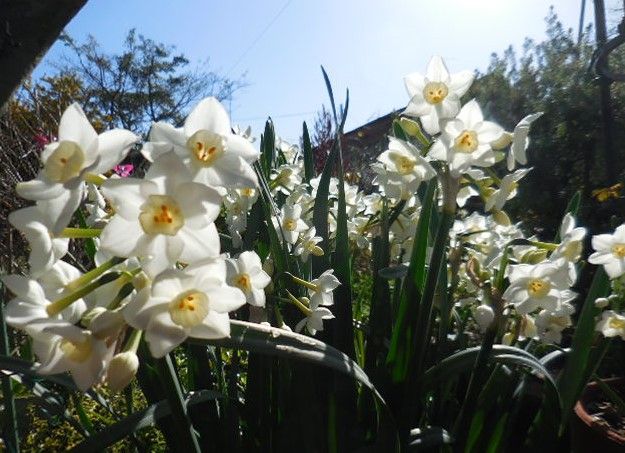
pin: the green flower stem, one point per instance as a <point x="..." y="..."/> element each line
<point x="412" y="405"/>
<point x="493" y="175"/>
<point x="80" y="233"/>
<point x="94" y="179"/>
<point x="126" y="287"/>
<point x="183" y="427"/>
<point x="93" y="273"/>
<point x="61" y="304"/>
<point x="544" y="245"/>
<point x="132" y="345"/>
<point x="479" y="373"/>
<point x="295" y="301"/>
<point x="304" y="283"/>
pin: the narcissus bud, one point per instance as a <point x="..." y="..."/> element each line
<point x="484" y="316"/>
<point x="122" y="370"/>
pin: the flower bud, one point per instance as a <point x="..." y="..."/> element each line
<point x="140" y="281"/>
<point x="106" y="324"/>
<point x="502" y="142"/>
<point x="601" y="302"/>
<point x="122" y="370"/>
<point x="534" y="256"/>
<point x="484" y="316"/>
<point x="90" y="315"/>
<point x="410" y="127"/>
<point x="501" y="218"/>
<point x="507" y="339"/>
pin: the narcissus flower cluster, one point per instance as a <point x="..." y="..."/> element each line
<point x="160" y="275"/>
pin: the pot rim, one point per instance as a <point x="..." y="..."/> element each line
<point x="580" y="410"/>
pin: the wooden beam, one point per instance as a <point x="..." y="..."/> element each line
<point x="27" y="30"/>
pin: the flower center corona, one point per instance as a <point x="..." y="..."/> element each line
<point x="617" y="323"/>
<point x="76" y="352"/>
<point x="243" y="282"/>
<point x="189" y="309"/>
<point x="405" y="165"/>
<point x="618" y="250"/>
<point x="466" y="142"/>
<point x="289" y="224"/>
<point x="538" y="288"/>
<point x="65" y="162"/>
<point x="161" y="215"/>
<point x="435" y="92"/>
<point x="206" y="147"/>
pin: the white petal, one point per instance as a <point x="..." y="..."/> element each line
<point x="460" y="82"/>
<point x="414" y="83"/>
<point x="113" y="146"/>
<point x="74" y="126"/>
<point x="199" y="244"/>
<point x="39" y="189"/>
<point x="215" y="325"/>
<point x="121" y="237"/>
<point x="125" y="196"/>
<point x="225" y="299"/>
<point x="167" y="172"/>
<point x="162" y="335"/>
<point x="436" y="70"/>
<point x="200" y="204"/>
<point x="209" y="115"/>
<point x="241" y="147"/>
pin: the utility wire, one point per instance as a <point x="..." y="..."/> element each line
<point x="260" y="35"/>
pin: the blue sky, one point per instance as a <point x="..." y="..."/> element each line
<point x="279" y="45"/>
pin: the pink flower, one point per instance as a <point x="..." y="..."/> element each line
<point x="41" y="140"/>
<point x="124" y="170"/>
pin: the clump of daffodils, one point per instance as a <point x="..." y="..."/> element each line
<point x="160" y="275"/>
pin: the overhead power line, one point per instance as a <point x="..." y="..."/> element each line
<point x="260" y="35"/>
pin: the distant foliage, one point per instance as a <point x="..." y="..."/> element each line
<point x="555" y="77"/>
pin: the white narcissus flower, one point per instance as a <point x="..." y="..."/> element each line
<point x="62" y="348"/>
<point x="193" y="302"/>
<point x="466" y="140"/>
<point x="406" y="161"/>
<point x="285" y="178"/>
<point x="520" y="141"/>
<point x="307" y="245"/>
<point x="79" y="151"/>
<point x="550" y="325"/>
<point x="435" y="95"/>
<point x="246" y="273"/>
<point x="37" y="225"/>
<point x="612" y="324"/>
<point x="28" y="307"/>
<point x="610" y="252"/>
<point x="543" y="285"/>
<point x="506" y="191"/>
<point x="207" y="146"/>
<point x="314" y="321"/>
<point x="571" y="240"/>
<point x="162" y="218"/>
<point x="321" y="289"/>
<point x="291" y="222"/>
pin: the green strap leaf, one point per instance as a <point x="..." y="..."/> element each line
<point x="309" y="165"/>
<point x="581" y="363"/>
<point x="137" y="421"/>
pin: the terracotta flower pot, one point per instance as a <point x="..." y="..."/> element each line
<point x="588" y="432"/>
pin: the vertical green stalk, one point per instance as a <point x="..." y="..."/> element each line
<point x="11" y="434"/>
<point x="412" y="406"/>
<point x="180" y="416"/>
